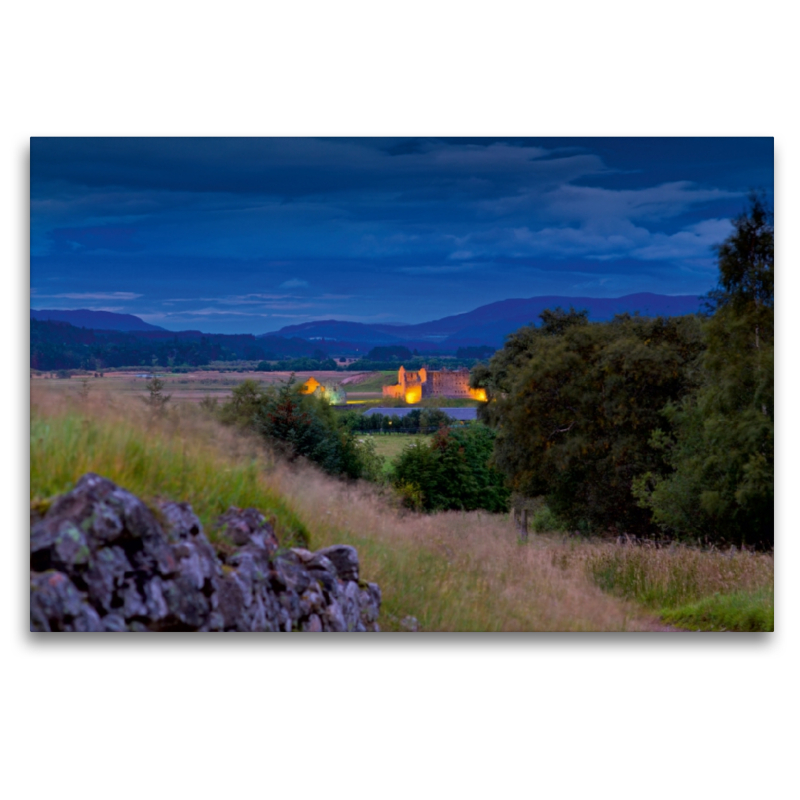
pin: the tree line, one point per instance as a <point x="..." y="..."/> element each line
<point x="644" y="425"/>
<point x="420" y="420"/>
<point x="59" y="345"/>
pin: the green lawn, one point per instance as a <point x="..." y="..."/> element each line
<point x="390" y="445"/>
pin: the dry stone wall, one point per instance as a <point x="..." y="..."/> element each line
<point x="101" y="560"/>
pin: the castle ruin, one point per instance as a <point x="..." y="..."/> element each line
<point x="330" y="392"/>
<point x="412" y="386"/>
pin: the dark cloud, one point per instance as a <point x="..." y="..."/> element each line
<point x="393" y="227"/>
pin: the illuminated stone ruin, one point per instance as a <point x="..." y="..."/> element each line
<point x="331" y="392"/>
<point x="413" y="386"/>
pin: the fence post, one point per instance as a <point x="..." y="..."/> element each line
<point x="521" y="520"/>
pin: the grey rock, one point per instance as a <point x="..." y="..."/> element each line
<point x="106" y="576"/>
<point x="188" y="608"/>
<point x="375" y="593"/>
<point x="290" y="603"/>
<point x="87" y="621"/>
<point x="344" y="558"/>
<point x="154" y="600"/>
<point x="133" y="604"/>
<point x="60" y="546"/>
<point x="288" y="574"/>
<point x="333" y="618"/>
<point x="216" y="622"/>
<point x="114" y="623"/>
<point x="54" y="599"/>
<point x="58" y="605"/>
<point x="180" y="522"/>
<point x="312" y="625"/>
<point x="248" y="526"/>
<point x="230" y="602"/>
<point x="101" y="561"/>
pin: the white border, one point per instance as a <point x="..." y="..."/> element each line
<point x="483" y="715"/>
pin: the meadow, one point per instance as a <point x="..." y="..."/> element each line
<point x="452" y="571"/>
<point x="191" y="387"/>
<point x="364" y="389"/>
<point x="390" y="445"/>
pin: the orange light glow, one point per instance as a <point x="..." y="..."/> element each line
<point x="478" y="394"/>
<point x="310" y="386"/>
<point x="413" y="394"/>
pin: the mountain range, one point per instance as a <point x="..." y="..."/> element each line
<point x="489" y="324"/>
<point x="486" y="325"/>
<point x="96" y="320"/>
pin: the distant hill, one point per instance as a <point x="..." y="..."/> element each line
<point x="60" y="345"/>
<point x="490" y="324"/>
<point x="96" y="320"/>
<point x="335" y="330"/>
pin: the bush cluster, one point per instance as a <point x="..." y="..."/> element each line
<point x="452" y="472"/>
<point x="297" y="425"/>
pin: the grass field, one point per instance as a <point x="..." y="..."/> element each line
<point x="189" y="387"/>
<point x="391" y="445"/>
<point x="192" y="387"/>
<point x="373" y="382"/>
<point x="453" y="571"/>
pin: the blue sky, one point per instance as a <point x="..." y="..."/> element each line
<point x="249" y="235"/>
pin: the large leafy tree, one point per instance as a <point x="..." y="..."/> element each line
<point x="747" y="261"/>
<point x="720" y="441"/>
<point x="575" y="404"/>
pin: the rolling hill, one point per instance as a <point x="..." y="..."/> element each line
<point x="96" y="320"/>
<point x="489" y="324"/>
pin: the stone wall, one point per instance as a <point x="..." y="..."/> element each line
<point x="413" y="386"/>
<point x="449" y="383"/>
<point x="101" y="560"/>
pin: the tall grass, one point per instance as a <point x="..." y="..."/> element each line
<point x="453" y="571"/>
<point x="706" y="590"/>
<point x="677" y="575"/>
<point x="738" y="611"/>
<point x="180" y="457"/>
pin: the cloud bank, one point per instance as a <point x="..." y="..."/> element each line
<point x="408" y="228"/>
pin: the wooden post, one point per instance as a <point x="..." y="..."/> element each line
<point x="521" y="521"/>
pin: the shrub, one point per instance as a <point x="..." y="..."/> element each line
<point x="452" y="472"/>
<point x="298" y="425"/>
<point x="544" y="520"/>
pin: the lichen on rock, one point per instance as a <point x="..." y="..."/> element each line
<point x="101" y="560"/>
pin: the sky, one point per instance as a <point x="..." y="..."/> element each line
<point x="248" y="235"/>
